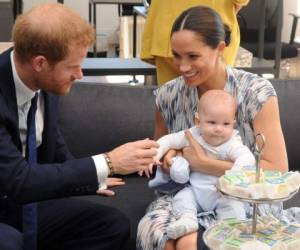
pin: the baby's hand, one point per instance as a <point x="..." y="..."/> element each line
<point x="157" y="162"/>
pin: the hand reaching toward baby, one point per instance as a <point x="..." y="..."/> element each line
<point x="110" y="182"/>
<point x="148" y="172"/>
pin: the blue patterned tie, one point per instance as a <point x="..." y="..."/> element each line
<point x="30" y="210"/>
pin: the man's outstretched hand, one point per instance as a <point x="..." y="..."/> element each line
<point x="133" y="156"/>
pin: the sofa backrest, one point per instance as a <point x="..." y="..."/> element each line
<point x="97" y="117"/>
<point x="288" y="92"/>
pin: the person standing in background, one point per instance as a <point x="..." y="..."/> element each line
<point x="156" y="47"/>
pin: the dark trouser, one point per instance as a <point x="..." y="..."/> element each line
<point x="201" y="245"/>
<point x="74" y="224"/>
<point x="10" y="238"/>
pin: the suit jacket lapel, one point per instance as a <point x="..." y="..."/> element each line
<point x="8" y="92"/>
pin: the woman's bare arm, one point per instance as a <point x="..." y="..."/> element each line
<point x="160" y="128"/>
<point x="267" y="122"/>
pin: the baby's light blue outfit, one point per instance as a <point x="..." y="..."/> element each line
<point x="200" y="195"/>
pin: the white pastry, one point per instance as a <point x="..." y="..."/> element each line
<point x="290" y="243"/>
<point x="292" y="179"/>
<point x="272" y="184"/>
<point x="219" y="234"/>
<point x="239" y="244"/>
<point x="262" y="190"/>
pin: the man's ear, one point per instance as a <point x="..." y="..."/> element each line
<point x="38" y="63"/>
<point x="197" y="119"/>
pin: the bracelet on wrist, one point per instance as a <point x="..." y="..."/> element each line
<point x="109" y="164"/>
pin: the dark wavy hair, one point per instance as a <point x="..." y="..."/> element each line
<point x="206" y="23"/>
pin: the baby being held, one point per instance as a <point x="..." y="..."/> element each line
<point x="214" y="131"/>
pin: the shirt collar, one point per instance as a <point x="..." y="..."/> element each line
<point x="23" y="93"/>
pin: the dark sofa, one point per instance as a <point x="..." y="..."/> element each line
<point x="97" y="117"/>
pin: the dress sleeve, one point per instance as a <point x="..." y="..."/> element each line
<point x="166" y="100"/>
<point x="260" y="90"/>
<point x="160" y="96"/>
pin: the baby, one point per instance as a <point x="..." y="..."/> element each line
<point x="215" y="132"/>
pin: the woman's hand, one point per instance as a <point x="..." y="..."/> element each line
<point x="194" y="154"/>
<point x="167" y="161"/>
<point x="110" y="182"/>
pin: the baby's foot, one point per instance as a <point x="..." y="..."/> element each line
<point x="186" y="224"/>
<point x="180" y="170"/>
<point x="159" y="179"/>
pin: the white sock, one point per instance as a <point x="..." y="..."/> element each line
<point x="159" y="179"/>
<point x="187" y="223"/>
<point x="180" y="170"/>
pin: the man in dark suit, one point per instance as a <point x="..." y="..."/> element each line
<point x="50" y="43"/>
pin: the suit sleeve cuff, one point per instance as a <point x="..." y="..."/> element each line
<point x="101" y="169"/>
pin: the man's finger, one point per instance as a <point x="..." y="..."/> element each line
<point x="106" y="192"/>
<point x="114" y="179"/>
<point x="150" y="168"/>
<point x="145" y="161"/>
<point x="143" y="167"/>
<point x="115" y="183"/>
<point x="147" y="173"/>
<point x="147" y="143"/>
<point x="149" y="153"/>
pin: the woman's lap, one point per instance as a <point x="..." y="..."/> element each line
<point x="152" y="227"/>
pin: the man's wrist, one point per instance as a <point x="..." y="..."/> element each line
<point x="109" y="164"/>
<point x="102" y="170"/>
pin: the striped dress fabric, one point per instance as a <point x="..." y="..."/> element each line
<point x="177" y="104"/>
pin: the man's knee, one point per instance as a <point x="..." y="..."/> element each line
<point x="116" y="230"/>
<point x="120" y="223"/>
<point x="10" y="238"/>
